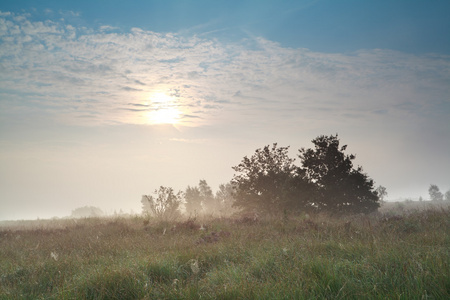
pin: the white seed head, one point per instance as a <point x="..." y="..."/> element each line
<point x="54" y="255"/>
<point x="194" y="266"/>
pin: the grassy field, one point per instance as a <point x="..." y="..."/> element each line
<point x="389" y="256"/>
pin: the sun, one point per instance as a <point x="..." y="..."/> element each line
<point x="163" y="109"/>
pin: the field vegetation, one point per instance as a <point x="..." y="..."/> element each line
<point x="390" y="255"/>
<point x="280" y="231"/>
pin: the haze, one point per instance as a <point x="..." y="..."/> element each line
<point x="102" y="103"/>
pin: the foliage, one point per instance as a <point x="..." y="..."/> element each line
<point x="193" y="200"/>
<point x="447" y="195"/>
<point x="264" y="181"/>
<point x="269" y="181"/>
<point x="340" y="187"/>
<point x="225" y="197"/>
<point x="435" y="193"/>
<point x="164" y="205"/>
<point x="200" y="199"/>
<point x="207" y="196"/>
<point x="381" y="192"/>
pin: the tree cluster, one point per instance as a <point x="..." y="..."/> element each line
<point x="270" y="182"/>
<point x="197" y="200"/>
<point x="201" y="200"/>
<point x="436" y="195"/>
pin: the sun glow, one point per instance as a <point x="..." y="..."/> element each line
<point x="163" y="109"/>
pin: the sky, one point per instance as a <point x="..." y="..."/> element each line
<point x="102" y="102"/>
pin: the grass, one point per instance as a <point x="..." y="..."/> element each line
<point x="303" y="257"/>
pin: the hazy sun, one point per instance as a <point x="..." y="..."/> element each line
<point x="163" y="109"/>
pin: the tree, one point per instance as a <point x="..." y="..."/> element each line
<point x="86" y="212"/>
<point x="435" y="193"/>
<point x="264" y="182"/>
<point x="164" y="205"/>
<point x="447" y="195"/>
<point x="193" y="200"/>
<point x="225" y="198"/>
<point x="207" y="196"/>
<point x="339" y="186"/>
<point x="200" y="199"/>
<point x="382" y="193"/>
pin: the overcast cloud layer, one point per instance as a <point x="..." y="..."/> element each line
<point x="391" y="108"/>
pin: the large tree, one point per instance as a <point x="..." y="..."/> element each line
<point x="339" y="186"/>
<point x="265" y="181"/>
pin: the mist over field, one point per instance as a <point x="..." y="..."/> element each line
<point x="99" y="107"/>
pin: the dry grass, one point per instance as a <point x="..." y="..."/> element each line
<point x="302" y="257"/>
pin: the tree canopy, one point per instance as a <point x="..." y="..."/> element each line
<point x="264" y="179"/>
<point x="339" y="186"/>
<point x="435" y="193"/>
<point x="200" y="199"/>
<point x="225" y="198"/>
<point x="269" y="181"/>
<point x="207" y="196"/>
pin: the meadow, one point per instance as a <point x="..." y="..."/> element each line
<point x="391" y="255"/>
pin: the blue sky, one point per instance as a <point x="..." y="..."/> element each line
<point x="103" y="101"/>
<point x="413" y="26"/>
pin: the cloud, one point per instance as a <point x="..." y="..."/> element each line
<point x="107" y="28"/>
<point x="130" y="89"/>
<point x="211" y="81"/>
<point x="138" y="104"/>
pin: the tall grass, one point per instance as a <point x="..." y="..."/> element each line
<point x="302" y="257"/>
